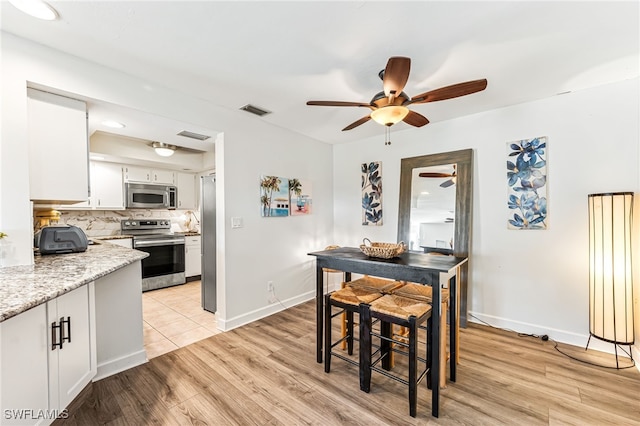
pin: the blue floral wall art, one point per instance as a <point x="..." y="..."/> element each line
<point x="527" y="182"/>
<point x="371" y="184"/>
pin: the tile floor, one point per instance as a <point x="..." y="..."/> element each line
<point x="173" y="318"/>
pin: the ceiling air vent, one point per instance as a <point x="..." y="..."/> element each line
<point x="188" y="134"/>
<point x="255" y="110"/>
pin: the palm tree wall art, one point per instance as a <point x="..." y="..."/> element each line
<point x="274" y="196"/>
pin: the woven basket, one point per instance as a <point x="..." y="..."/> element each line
<point x="382" y="250"/>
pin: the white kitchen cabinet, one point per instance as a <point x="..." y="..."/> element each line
<point x="147" y="175"/>
<point x="24" y="380"/>
<point x="58" y="148"/>
<point x="72" y="363"/>
<point x="186" y="183"/>
<point x="192" y="258"/>
<point x="39" y="380"/>
<point x="107" y="188"/>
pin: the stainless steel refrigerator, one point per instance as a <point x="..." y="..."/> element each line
<point x="208" y="232"/>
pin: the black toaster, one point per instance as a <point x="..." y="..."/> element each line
<point x="57" y="239"/>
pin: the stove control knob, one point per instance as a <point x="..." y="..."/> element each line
<point x="133" y="223"/>
<point x="127" y="223"/>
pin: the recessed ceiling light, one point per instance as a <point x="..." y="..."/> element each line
<point x="113" y="124"/>
<point x="36" y="8"/>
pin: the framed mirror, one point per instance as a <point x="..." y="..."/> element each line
<point x="424" y="223"/>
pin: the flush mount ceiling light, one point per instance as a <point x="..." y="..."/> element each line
<point x="36" y="8"/>
<point x="113" y="124"/>
<point x="164" y="149"/>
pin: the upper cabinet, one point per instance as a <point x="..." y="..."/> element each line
<point x="186" y="183"/>
<point x="107" y="189"/>
<point x="58" y="148"/>
<point x="147" y="175"/>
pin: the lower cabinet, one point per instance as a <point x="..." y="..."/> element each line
<point x="192" y="258"/>
<point x="48" y="357"/>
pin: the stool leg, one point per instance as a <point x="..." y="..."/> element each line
<point x="327" y="333"/>
<point x="413" y="366"/>
<point x="349" y="331"/>
<point x="429" y="356"/>
<point x="443" y="345"/>
<point x="343" y="323"/>
<point x="365" y="348"/>
<point x="386" y="329"/>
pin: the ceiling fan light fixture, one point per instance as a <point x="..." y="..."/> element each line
<point x="389" y="115"/>
<point x="164" y="149"/>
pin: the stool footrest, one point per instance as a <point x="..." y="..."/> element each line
<point x="344" y="358"/>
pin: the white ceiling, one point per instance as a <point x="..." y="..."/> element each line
<point x="278" y="55"/>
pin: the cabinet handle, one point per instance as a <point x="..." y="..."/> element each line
<point x="64" y="338"/>
<point x="54" y="337"/>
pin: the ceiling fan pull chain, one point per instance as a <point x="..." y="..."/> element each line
<point x="387" y="134"/>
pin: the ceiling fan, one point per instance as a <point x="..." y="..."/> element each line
<point x="446" y="183"/>
<point x="391" y="105"/>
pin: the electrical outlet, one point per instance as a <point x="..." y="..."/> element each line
<point x="270" y="286"/>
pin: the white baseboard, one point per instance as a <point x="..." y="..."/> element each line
<point x="277" y="306"/>
<point x="561" y="336"/>
<point x="111" y="367"/>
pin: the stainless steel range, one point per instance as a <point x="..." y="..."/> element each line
<point x="165" y="265"/>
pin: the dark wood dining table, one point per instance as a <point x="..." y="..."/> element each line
<point x="409" y="266"/>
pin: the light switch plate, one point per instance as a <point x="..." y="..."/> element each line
<point x="236" y="222"/>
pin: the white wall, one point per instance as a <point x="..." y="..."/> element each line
<point x="264" y="249"/>
<point x="529" y="281"/>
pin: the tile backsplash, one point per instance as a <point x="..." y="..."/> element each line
<point x="99" y="223"/>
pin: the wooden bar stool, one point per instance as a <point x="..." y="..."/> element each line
<point x="348" y="300"/>
<point x="405" y="312"/>
<point x="367" y="282"/>
<point x="424" y="293"/>
<point x="327" y="272"/>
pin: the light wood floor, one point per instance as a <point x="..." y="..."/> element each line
<point x="265" y="373"/>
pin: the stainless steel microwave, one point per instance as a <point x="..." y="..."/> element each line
<point x="151" y="196"/>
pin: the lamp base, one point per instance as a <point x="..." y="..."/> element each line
<point x="615" y="348"/>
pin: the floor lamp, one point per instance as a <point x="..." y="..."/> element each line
<point x="610" y="269"/>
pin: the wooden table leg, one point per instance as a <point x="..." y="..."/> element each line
<point x="319" y="313"/>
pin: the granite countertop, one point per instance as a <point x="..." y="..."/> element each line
<point x="188" y="233"/>
<point x="24" y="287"/>
<point x="113" y="237"/>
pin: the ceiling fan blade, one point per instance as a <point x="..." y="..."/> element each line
<point x="434" y="175"/>
<point x="338" y="104"/>
<point x="447" y="183"/>
<point x="450" y="92"/>
<point x="396" y="75"/>
<point x="357" y="123"/>
<point x="415" y="119"/>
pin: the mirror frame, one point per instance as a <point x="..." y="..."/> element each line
<point x="463" y="213"/>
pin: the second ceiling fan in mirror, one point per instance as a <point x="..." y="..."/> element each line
<point x="390" y="106"/>
<point x="447" y="183"/>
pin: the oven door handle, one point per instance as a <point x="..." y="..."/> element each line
<point x="155" y="243"/>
